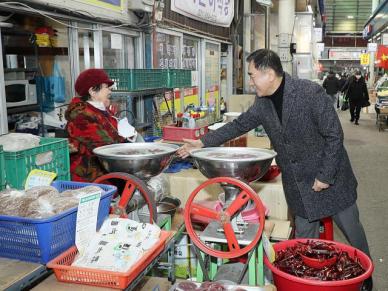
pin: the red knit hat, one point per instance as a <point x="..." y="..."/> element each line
<point x="90" y="78"/>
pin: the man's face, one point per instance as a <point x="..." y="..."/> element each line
<point x="261" y="80"/>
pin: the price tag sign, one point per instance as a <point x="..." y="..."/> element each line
<point x="86" y="219"/>
<point x="268" y="248"/>
<point x="39" y="178"/>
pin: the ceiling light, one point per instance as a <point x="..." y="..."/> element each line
<point x="350" y="16"/>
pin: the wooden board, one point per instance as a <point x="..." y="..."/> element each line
<point x="281" y="230"/>
<point x="12" y="271"/>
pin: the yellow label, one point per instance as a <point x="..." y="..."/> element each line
<point x="364" y="59"/>
<point x="39" y="178"/>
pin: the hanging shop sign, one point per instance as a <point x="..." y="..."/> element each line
<point x="364" y="59"/>
<point x="216" y="12"/>
<point x="344" y="54"/>
<point x="372" y="47"/>
<point x="366" y="33"/>
<point x="384" y="38"/>
<point x="117" y="5"/>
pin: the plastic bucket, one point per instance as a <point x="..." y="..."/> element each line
<point x="286" y="282"/>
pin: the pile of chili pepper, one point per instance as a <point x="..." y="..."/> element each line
<point x="290" y="261"/>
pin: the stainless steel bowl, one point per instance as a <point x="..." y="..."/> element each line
<point x="246" y="164"/>
<point x="168" y="205"/>
<point x="143" y="160"/>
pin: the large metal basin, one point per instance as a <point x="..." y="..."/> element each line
<point x="246" y="164"/>
<point x="143" y="160"/>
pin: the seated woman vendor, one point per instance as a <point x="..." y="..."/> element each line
<point x="90" y="124"/>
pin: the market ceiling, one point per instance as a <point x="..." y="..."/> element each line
<point x="344" y="16"/>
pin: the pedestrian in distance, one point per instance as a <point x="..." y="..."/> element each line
<point x="357" y="94"/>
<point x="331" y="85"/>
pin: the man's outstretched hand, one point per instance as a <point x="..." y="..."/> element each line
<point x="190" y="144"/>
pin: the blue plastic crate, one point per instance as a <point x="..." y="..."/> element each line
<point x="41" y="240"/>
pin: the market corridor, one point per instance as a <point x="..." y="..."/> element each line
<point x="368" y="153"/>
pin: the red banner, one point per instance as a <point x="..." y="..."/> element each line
<point x="382" y="57"/>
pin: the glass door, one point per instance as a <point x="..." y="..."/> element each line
<point x="211" y="77"/>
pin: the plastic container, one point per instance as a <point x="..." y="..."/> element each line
<point x="173" y="133"/>
<point x="185" y="119"/>
<point x="177" y="78"/>
<point x="151" y="138"/>
<point x="137" y="79"/>
<point x="41" y="240"/>
<point x="51" y="155"/>
<point x="192" y="123"/>
<point x="64" y="272"/>
<point x="2" y="169"/>
<point x="149" y="78"/>
<point x="287" y="282"/>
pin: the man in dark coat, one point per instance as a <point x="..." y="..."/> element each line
<point x="357" y="93"/>
<point x="305" y="131"/>
<point x="331" y="85"/>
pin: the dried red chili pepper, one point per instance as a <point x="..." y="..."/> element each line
<point x="345" y="267"/>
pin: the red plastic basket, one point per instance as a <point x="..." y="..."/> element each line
<point x="172" y="132"/>
<point x="64" y="272"/>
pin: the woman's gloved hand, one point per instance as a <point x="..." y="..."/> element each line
<point x="126" y="130"/>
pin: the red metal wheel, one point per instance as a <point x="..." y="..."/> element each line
<point x="132" y="184"/>
<point x="224" y="217"/>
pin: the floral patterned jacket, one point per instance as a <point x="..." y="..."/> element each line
<point x="88" y="128"/>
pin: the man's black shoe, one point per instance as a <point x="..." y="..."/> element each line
<point x="356" y="123"/>
<point x="367" y="285"/>
<point x="351" y="120"/>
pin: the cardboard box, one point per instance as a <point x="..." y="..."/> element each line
<point x="271" y="193"/>
<point x="262" y="142"/>
<point x="240" y="103"/>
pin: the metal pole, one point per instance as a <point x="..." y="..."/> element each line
<point x="267" y="28"/>
<point x="247" y="31"/>
<point x="3" y="107"/>
<point x="286" y="24"/>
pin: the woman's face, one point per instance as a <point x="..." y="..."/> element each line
<point x="102" y="95"/>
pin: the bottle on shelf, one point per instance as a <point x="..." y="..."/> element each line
<point x="185" y="119"/>
<point x="179" y="119"/>
<point x="191" y="122"/>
